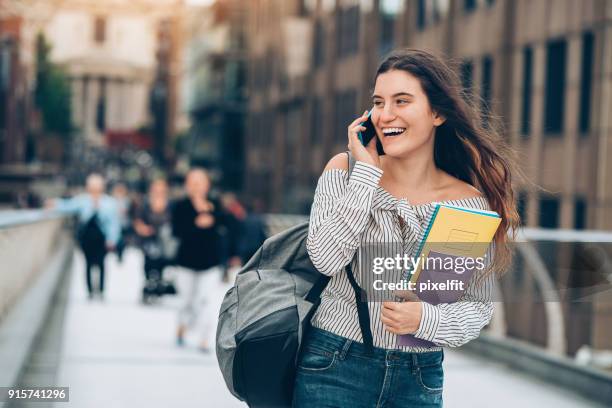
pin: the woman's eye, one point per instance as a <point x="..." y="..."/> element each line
<point x="378" y="103"/>
<point x="402" y="101"/>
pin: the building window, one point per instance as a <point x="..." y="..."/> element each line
<point x="389" y="10"/>
<point x="100" y="30"/>
<point x="549" y="212"/>
<point x="319" y="44"/>
<point x="421" y="14"/>
<point x="586" y="80"/>
<point x="466" y="71"/>
<point x="469" y="5"/>
<point x="555" y="87"/>
<point x="487" y="84"/>
<point x="580" y="213"/>
<point x="527" y="84"/>
<point x="430" y="12"/>
<point x="347" y="26"/>
<point x="387" y="33"/>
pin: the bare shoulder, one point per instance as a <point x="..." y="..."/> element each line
<point x="339" y="161"/>
<point x="458" y="189"/>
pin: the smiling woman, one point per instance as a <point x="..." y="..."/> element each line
<point x="436" y="149"/>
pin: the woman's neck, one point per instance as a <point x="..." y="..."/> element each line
<point x="419" y="172"/>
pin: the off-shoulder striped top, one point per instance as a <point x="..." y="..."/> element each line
<point x="348" y="213"/>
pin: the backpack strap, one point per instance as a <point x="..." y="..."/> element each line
<point x="363" y="313"/>
<point x="361" y="297"/>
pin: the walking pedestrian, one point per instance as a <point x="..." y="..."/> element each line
<point x="153" y="229"/>
<point x="196" y="221"/>
<point x="98" y="230"/>
<point x="435" y="150"/>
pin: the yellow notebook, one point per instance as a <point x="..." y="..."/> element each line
<point x="453" y="234"/>
<point x="458" y="231"/>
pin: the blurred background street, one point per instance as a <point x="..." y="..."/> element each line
<point x="259" y="93"/>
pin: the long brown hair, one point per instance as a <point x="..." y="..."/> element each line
<point x="468" y="145"/>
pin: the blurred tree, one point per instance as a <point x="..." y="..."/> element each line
<point x="52" y="93"/>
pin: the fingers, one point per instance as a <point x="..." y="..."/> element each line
<point x="360" y="119"/>
<point x="390" y="305"/>
<point x="390" y="313"/>
<point x="354" y="128"/>
<point x="388" y="322"/>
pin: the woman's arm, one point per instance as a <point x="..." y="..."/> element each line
<point x="454" y="324"/>
<point x="66" y="205"/>
<point x="340" y="213"/>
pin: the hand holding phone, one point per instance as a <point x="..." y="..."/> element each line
<point x="370" y="132"/>
<point x="365" y="153"/>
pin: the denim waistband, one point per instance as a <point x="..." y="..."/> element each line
<point x="325" y="341"/>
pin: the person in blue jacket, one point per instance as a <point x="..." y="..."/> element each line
<point x="99" y="225"/>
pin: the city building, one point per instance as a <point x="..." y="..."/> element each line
<point x="542" y="66"/>
<point x="14" y="92"/>
<point x="118" y="54"/>
<point x="215" y="81"/>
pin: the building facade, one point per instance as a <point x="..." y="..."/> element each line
<point x="112" y="52"/>
<point x="216" y="90"/>
<point x="14" y="92"/>
<point x="542" y="66"/>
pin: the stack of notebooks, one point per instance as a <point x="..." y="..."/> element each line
<point x="453" y="232"/>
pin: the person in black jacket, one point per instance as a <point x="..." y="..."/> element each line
<point x="197" y="222"/>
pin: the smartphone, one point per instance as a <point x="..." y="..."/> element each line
<point x="369" y="133"/>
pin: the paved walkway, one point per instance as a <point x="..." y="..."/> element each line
<point x="119" y="353"/>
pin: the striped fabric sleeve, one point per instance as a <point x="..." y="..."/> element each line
<point x="339" y="216"/>
<point x="454" y="324"/>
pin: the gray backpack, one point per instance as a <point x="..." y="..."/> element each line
<point x="265" y="314"/>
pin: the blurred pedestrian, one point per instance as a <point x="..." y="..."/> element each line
<point x="153" y="229"/>
<point x="121" y="194"/>
<point x="235" y="215"/>
<point x="196" y="222"/>
<point x="99" y="227"/>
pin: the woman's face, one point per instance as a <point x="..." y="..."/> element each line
<point x="401" y="114"/>
<point x="158" y="190"/>
<point x="197" y="183"/>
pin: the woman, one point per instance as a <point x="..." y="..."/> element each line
<point x="196" y="222"/>
<point x="152" y="225"/>
<point x="436" y="151"/>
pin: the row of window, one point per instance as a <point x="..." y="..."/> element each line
<point x="550" y="210"/>
<point x="430" y="12"/>
<point x="554" y="91"/>
<point x="348" y="22"/>
<point x="466" y="73"/>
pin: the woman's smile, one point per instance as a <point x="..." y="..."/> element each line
<point x="393" y="131"/>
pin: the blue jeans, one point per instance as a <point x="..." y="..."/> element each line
<point x="337" y="372"/>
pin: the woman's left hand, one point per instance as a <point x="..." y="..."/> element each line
<point x="402" y="318"/>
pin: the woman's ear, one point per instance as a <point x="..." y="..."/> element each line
<point x="438" y="119"/>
